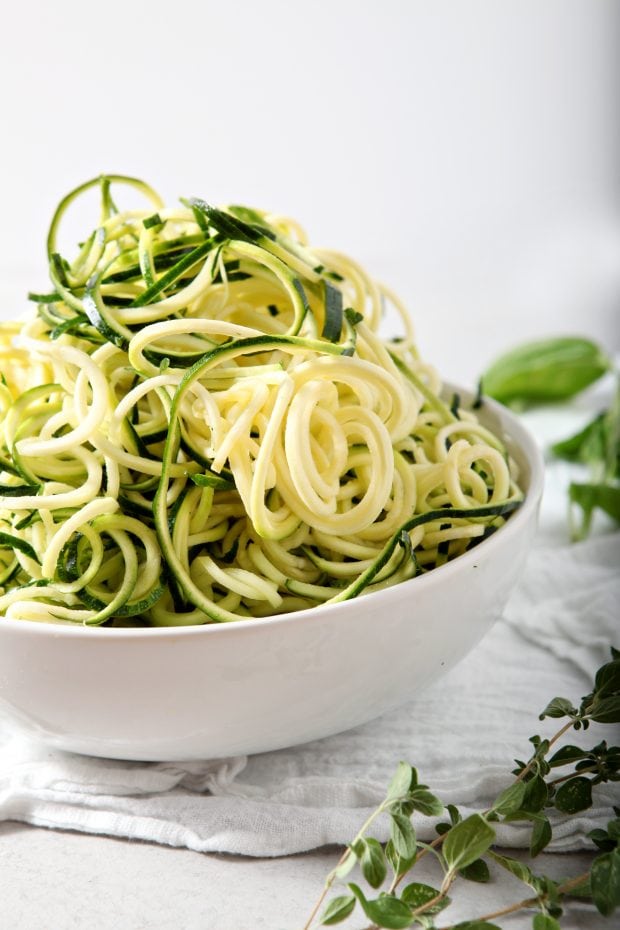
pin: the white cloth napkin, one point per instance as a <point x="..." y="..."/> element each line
<point x="462" y="734"/>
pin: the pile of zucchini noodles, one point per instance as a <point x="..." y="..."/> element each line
<point x="201" y="423"/>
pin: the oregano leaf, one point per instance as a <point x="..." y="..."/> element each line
<point x="399" y="864"/>
<point x="404" y="779"/>
<point x="541" y="836"/>
<point x="417" y="894"/>
<point x="347" y="864"/>
<point x="558" y="707"/>
<point x="511" y="799"/>
<point x="602" y="840"/>
<point x="476" y="925"/>
<point x="476" y="871"/>
<point x="517" y="868"/>
<point x="574" y="795"/>
<point x="607" y="680"/>
<point x="567" y="755"/>
<point x="403" y="836"/>
<point x="545" y="922"/>
<point x="372" y="862"/>
<point x="425" y="802"/>
<point x="386" y="911"/>
<point x="454" y="814"/>
<point x="338" y="909"/>
<point x="606" y="710"/>
<point x="467" y="841"/>
<point x="536" y="794"/>
<point x="605" y="882"/>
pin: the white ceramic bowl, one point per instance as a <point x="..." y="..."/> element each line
<point x="253" y="686"/>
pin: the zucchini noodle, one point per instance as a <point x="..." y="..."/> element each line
<point x="201" y="423"/>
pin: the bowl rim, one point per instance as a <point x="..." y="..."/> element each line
<point x="520" y="442"/>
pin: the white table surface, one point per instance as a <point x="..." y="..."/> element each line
<point x="57" y="880"/>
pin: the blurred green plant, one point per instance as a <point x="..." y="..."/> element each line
<point x="555" y="370"/>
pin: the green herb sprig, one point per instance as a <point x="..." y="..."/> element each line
<point x="559" y="781"/>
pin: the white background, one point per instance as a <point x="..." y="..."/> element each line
<point x="467" y="151"/>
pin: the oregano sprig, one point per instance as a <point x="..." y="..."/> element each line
<point x="552" y="779"/>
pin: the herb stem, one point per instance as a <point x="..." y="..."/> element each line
<point x="329" y="881"/>
<point x="528" y="768"/>
<point x="564" y="888"/>
<point x="558" y="781"/>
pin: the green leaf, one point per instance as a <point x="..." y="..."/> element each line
<point x="404" y="779"/>
<point x="545" y="370"/>
<point x="545" y="922"/>
<point x="536" y="794"/>
<point x="607" y="680"/>
<point x="602" y="840"/>
<point x="558" y="707"/>
<point x="613" y="829"/>
<point x="605" y="882"/>
<point x="606" y="710"/>
<point x="574" y="795"/>
<point x="403" y="836"/>
<point x="454" y="814"/>
<point x="476" y="925"/>
<point x="589" y="497"/>
<point x="477" y="871"/>
<point x="386" y="911"/>
<point x="514" y="866"/>
<point x="338" y="909"/>
<point x="347" y="864"/>
<point x="425" y="802"/>
<point x="372" y="862"/>
<point x="567" y="755"/>
<point x="511" y="799"/>
<point x="467" y="841"/>
<point x="541" y="836"/>
<point x="588" y="445"/>
<point x="417" y="894"/>
<point x="400" y="864"/>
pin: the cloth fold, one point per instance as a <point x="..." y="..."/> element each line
<point x="462" y="734"/>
